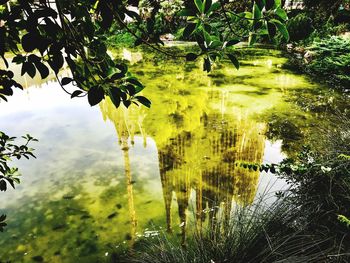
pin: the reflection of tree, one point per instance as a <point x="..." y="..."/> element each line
<point x="125" y="127"/>
<point x="200" y="153"/>
<point x="205" y="161"/>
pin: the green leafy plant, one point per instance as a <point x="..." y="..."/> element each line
<point x="43" y="36"/>
<point x="332" y="60"/>
<point x="8" y="151"/>
<point x="204" y="24"/>
<point x="300" y="27"/>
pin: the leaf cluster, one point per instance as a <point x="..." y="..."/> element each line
<point x="46" y="37"/>
<point x="8" y="151"/>
<point x="211" y="25"/>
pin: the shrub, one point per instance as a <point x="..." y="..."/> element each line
<point x="121" y="38"/>
<point x="300" y="27"/>
<point x="332" y="60"/>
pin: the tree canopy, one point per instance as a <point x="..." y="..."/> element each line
<point x="44" y="35"/>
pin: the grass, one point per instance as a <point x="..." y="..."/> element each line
<point x="256" y="233"/>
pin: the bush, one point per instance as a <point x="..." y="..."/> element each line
<point x="121" y="38"/>
<point x="300" y="27"/>
<point x="331" y="60"/>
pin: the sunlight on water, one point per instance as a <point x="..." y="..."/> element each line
<point x="106" y="175"/>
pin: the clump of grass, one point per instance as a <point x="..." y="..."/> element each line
<point x="256" y="233"/>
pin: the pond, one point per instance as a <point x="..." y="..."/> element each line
<point x="103" y="177"/>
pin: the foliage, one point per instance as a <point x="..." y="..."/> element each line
<point x="214" y="36"/>
<point x="8" y="150"/>
<point x="321" y="186"/>
<point x="10" y="175"/>
<point x="51" y="34"/>
<point x="332" y="60"/>
<point x="300" y="27"/>
<point x="165" y="20"/>
<point x="70" y="32"/>
<point x="323" y="9"/>
<point x="119" y="38"/>
<point x="240" y="6"/>
<point x="326" y="30"/>
<point x="258" y="233"/>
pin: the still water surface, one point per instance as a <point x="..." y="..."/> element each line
<point x="104" y="176"/>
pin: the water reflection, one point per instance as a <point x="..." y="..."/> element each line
<point x="202" y="156"/>
<point x="96" y="184"/>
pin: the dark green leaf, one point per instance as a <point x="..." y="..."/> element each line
<point x="191" y="57"/>
<point x="115" y="95"/>
<point x="126" y="103"/>
<point x="234" y="60"/>
<point x="66" y="81"/>
<point x="186" y="12"/>
<point x="28" y="68"/>
<point x="117" y="75"/>
<point x="260" y="3"/>
<point x="18" y="59"/>
<point x="45" y="12"/>
<point x="6" y="90"/>
<point x="76" y="93"/>
<point x="56" y="61"/>
<point x="214" y="7"/>
<point x="33" y="58"/>
<point x="130" y="89"/>
<point x="232" y="42"/>
<point x="43" y="70"/>
<point x="207" y="65"/>
<point x="281" y="28"/>
<point x="11" y="181"/>
<point x="135" y="82"/>
<point x="256" y="12"/>
<point x="200" y="6"/>
<point x="189" y="30"/>
<point x="252" y="39"/>
<point x="143" y="100"/>
<point x="207" y="5"/>
<point x="28" y="42"/>
<point x="132" y="14"/>
<point x="95" y="95"/>
<point x="3" y="185"/>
